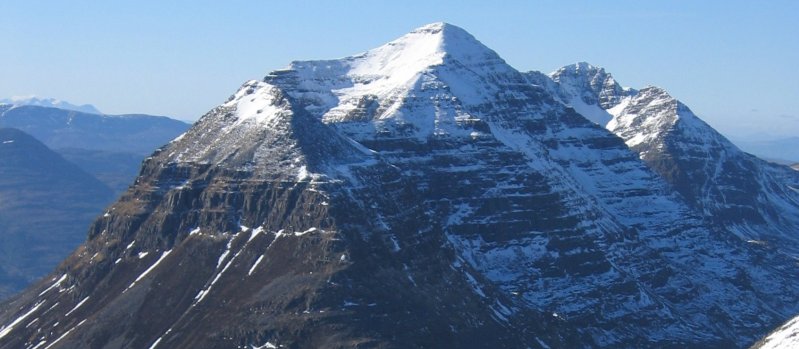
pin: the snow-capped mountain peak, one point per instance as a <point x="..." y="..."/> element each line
<point x="380" y="85"/>
<point x="654" y="111"/>
<point x="586" y="88"/>
<point x="648" y="115"/>
<point x="591" y="84"/>
<point x="50" y="103"/>
<point x="322" y="207"/>
<point x="413" y="53"/>
<point x="754" y="199"/>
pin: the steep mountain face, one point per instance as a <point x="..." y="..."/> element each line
<point x="754" y="199"/>
<point x="421" y="194"/>
<point x="46" y="203"/>
<point x="110" y="147"/>
<point x="49" y="103"/>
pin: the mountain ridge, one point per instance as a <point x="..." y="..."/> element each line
<point x="458" y="205"/>
<point x="752" y="197"/>
<point x="109" y="147"/>
<point x="49" y="103"/>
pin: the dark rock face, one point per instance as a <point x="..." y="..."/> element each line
<point x="422" y="194"/>
<point x="45" y="205"/>
<point x="109" y="147"/>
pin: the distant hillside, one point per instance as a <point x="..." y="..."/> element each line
<point x="60" y="128"/>
<point x="109" y="147"/>
<point x="46" y="205"/>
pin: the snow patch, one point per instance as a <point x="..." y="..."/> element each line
<point x="257" y="261"/>
<point x="64" y="335"/>
<point x="166" y="253"/>
<point x="5" y="330"/>
<point x="54" y="285"/>
<point x="77" y="306"/>
<point x="787" y="336"/>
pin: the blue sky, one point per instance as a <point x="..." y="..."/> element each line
<point x="735" y="63"/>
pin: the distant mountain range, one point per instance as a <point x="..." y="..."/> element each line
<point x="110" y="147"/>
<point x="49" y="103"/>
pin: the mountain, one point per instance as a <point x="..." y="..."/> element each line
<point x="46" y="203"/>
<point x="754" y="199"/>
<point x="110" y="147"/>
<point x="784" y="337"/>
<point x="49" y="103"/>
<point x="420" y="194"/>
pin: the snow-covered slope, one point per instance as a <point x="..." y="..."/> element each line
<point x="784" y="337"/>
<point x="49" y="103"/>
<point x="420" y="194"/>
<point x="755" y="199"/>
<point x="589" y="90"/>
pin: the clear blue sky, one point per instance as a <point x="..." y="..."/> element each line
<point x="735" y="63"/>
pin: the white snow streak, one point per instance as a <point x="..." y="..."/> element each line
<point x="64" y="335"/>
<point x="257" y="261"/>
<point x="166" y="253"/>
<point x="77" y="306"/>
<point x="56" y="284"/>
<point x="7" y="329"/>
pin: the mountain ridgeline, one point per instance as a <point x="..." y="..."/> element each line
<point x="420" y="194"/>
<point x="109" y="147"/>
<point x="753" y="199"/>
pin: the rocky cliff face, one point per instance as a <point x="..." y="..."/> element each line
<point x="421" y="194"/>
<point x="754" y="199"/>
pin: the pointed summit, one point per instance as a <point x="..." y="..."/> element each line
<point x="452" y="41"/>
<point x="375" y="90"/>
<point x="398" y="62"/>
<point x="590" y="83"/>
